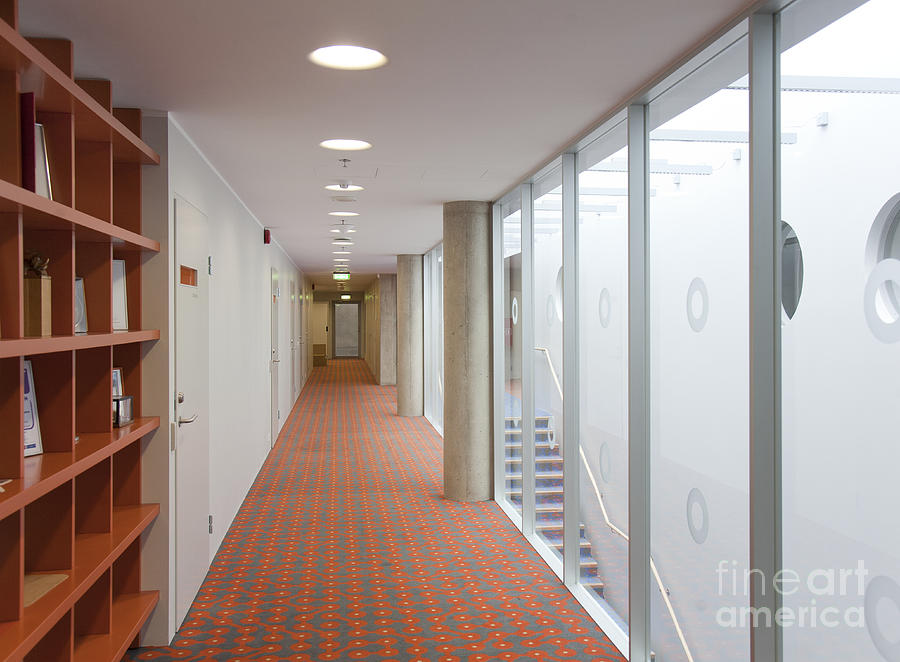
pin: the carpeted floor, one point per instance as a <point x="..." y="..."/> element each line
<point x="345" y="550"/>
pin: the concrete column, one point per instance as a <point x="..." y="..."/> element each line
<point x="410" y="337"/>
<point x="467" y="351"/>
<point x="387" y="314"/>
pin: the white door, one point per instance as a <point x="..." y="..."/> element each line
<point x="276" y="357"/>
<point x="192" y="403"/>
<point x="346" y="329"/>
<point x="293" y="340"/>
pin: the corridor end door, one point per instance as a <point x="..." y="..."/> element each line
<point x="191" y="403"/>
<point x="346" y="329"/>
<point x="276" y="359"/>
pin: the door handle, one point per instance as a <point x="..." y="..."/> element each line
<point x="184" y="421"/>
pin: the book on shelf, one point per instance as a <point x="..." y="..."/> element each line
<point x="33" y="445"/>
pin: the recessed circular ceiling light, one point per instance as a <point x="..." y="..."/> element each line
<point x="345" y="144"/>
<point x="344" y="187"/>
<point x="347" y="57"/>
<point x="343" y="213"/>
<point x="342" y="259"/>
<point x="341" y="252"/>
<point x="341" y="241"/>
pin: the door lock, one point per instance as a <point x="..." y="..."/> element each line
<point x="180" y="398"/>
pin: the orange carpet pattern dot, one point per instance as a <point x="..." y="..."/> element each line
<point x="345" y="549"/>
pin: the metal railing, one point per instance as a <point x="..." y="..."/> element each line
<point x="615" y="529"/>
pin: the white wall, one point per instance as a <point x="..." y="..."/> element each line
<point x="239" y="343"/>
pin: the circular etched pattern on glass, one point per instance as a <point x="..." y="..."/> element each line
<point x="879" y="615"/>
<point x="791" y="270"/>
<point x="515" y="311"/>
<point x="604" y="308"/>
<point x="604" y="462"/>
<point x="559" y="294"/>
<point x="697" y="516"/>
<point x="697" y="304"/>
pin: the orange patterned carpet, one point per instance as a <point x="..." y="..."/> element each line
<point x="345" y="549"/>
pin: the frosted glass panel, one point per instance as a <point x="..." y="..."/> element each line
<point x="603" y="356"/>
<point x="433" y="282"/>
<point x="548" y="362"/>
<point x="512" y="354"/>
<point x="840" y="171"/>
<point x="699" y="374"/>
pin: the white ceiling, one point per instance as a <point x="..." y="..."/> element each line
<point x="476" y="95"/>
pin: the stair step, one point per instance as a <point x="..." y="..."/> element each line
<point x="539" y="459"/>
<point x="539" y="475"/>
<point x="511" y="434"/>
<point x="553" y="526"/>
<point x="511" y="445"/>
<point x="541" y="491"/>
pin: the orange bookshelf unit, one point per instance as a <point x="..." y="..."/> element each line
<point x="71" y="517"/>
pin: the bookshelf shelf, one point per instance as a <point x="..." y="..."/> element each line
<point x="52" y="344"/>
<point x="40" y="213"/>
<point x="71" y="517"/>
<point x="56" y="92"/>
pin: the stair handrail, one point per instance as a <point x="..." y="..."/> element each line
<point x="662" y="589"/>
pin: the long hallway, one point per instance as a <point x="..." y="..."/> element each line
<point x="345" y="549"/>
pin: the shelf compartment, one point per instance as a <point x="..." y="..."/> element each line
<point x="129" y="613"/>
<point x="11" y="273"/>
<point x="56" y="645"/>
<point x="57" y="246"/>
<point x="92" y="610"/>
<point x="94" y="554"/>
<point x="54" y="387"/>
<point x="44" y="473"/>
<point x="127" y="476"/>
<point x="49" y="344"/>
<point x="93" y="389"/>
<point x="40" y="213"/>
<point x="57" y="92"/>
<point x="12" y="568"/>
<point x="93" y="263"/>
<point x="93" y="499"/>
<point x="12" y="420"/>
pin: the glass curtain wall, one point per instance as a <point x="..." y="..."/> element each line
<point x="433" y="287"/>
<point x="698" y="250"/>
<point x="511" y="296"/>
<point x="830" y="354"/>
<point x="840" y="205"/>
<point x="547" y="358"/>
<point x="603" y="377"/>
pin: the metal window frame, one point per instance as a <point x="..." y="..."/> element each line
<point x="571" y="400"/>
<point x="527" y="316"/>
<point x="639" y="580"/>
<point x="765" y="333"/>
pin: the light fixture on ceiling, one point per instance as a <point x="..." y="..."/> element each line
<point x="343" y="213"/>
<point x="341" y="252"/>
<point x="345" y="144"/>
<point x="345" y="188"/>
<point x="341" y="241"/>
<point x="341" y="259"/>
<point x="348" y="57"/>
<point x="345" y="297"/>
<point x="344" y="227"/>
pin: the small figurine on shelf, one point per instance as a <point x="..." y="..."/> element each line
<point x="37" y="296"/>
